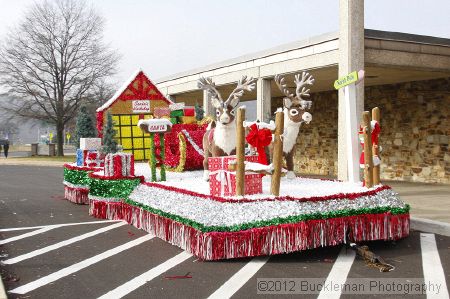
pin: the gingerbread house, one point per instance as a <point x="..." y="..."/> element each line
<point x="137" y="99"/>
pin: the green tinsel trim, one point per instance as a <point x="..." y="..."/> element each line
<point x="112" y="188"/>
<point x="76" y="177"/>
<point x="275" y="221"/>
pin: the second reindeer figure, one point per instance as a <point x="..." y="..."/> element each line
<point x="295" y="113"/>
<point x="220" y="137"/>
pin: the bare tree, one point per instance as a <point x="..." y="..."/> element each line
<point x="55" y="59"/>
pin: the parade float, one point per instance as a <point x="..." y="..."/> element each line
<point x="240" y="205"/>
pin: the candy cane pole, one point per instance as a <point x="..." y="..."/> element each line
<point x="376" y="149"/>
<point x="368" y="159"/>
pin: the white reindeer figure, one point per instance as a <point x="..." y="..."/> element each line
<point x="295" y="113"/>
<point x="220" y="137"/>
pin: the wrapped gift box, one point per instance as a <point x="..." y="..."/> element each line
<point x="188" y="120"/>
<point x="176" y="113"/>
<point x="160" y="112"/>
<point x="176" y="106"/>
<point x="89" y="158"/>
<point x="94" y="159"/>
<point x="221" y="163"/>
<point x="222" y="182"/>
<point x="80" y="156"/>
<point x="90" y="143"/>
<point x="189" y="111"/>
<point x="119" y="165"/>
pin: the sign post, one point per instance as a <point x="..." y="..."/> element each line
<point x="347" y="82"/>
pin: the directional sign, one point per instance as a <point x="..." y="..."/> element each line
<point x="50" y="136"/>
<point x="68" y="136"/>
<point x="347" y="80"/>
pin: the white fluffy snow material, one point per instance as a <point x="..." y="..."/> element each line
<point x="298" y="187"/>
<point x="260" y="124"/>
<point x="253" y="166"/>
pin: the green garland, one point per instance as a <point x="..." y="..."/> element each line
<point x="275" y="221"/>
<point x="77" y="177"/>
<point x="112" y="188"/>
<point x="162" y="171"/>
<point x="152" y="156"/>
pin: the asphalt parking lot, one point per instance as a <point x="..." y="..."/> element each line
<point x="51" y="248"/>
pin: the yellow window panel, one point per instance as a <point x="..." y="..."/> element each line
<point x="128" y="151"/>
<point x="127" y="143"/>
<point x="125" y="131"/>
<point x="137" y="131"/>
<point x="125" y="120"/>
<point x="147" y="142"/>
<point x="148" y="116"/>
<point x="138" y="143"/>
<point x="139" y="155"/>
<point x="115" y="119"/>
<point x="147" y="155"/>
<point x="117" y="132"/>
<point x="134" y="119"/>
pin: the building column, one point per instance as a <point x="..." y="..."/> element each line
<point x="351" y="58"/>
<point x="263" y="99"/>
<point x="207" y="105"/>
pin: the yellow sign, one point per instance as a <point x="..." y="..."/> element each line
<point x="50" y="137"/>
<point x="346" y="80"/>
<point x="68" y="136"/>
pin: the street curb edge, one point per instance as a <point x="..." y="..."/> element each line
<point x="432" y="226"/>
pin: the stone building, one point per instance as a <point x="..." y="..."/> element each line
<point x="407" y="76"/>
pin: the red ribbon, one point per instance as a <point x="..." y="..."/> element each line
<point x="259" y="138"/>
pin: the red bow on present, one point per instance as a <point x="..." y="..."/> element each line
<point x="259" y="138"/>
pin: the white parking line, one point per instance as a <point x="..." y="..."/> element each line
<point x="26" y="235"/>
<point x="140" y="280"/>
<point x="236" y="281"/>
<point x="55" y="225"/>
<point x="78" y="266"/>
<point x="432" y="267"/>
<point x="61" y="244"/>
<point x="338" y="274"/>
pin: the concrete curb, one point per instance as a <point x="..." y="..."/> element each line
<point x="33" y="163"/>
<point x="2" y="290"/>
<point x="426" y="225"/>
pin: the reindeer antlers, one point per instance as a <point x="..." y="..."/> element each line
<point x="279" y="80"/>
<point x="243" y="84"/>
<point x="301" y="90"/>
<point x="208" y="85"/>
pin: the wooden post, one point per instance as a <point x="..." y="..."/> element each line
<point x="240" y="152"/>
<point x="152" y="161"/>
<point x="376" y="149"/>
<point x="368" y="159"/>
<point x="277" y="154"/>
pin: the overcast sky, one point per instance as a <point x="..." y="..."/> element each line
<point x="169" y="36"/>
